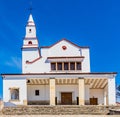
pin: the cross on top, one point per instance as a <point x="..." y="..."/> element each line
<point x="30" y="9"/>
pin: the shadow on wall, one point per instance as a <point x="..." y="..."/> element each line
<point x="9" y="104"/>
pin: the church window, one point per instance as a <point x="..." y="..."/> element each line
<point x="66" y="67"/>
<point x="72" y="66"/>
<point x="30" y="30"/>
<point x="14" y="93"/>
<point x="78" y="66"/>
<point x="37" y="92"/>
<point x="53" y="66"/>
<point x="64" y="47"/>
<point x="30" y="42"/>
<point x="59" y="66"/>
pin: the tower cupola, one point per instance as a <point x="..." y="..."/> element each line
<point x="30" y="28"/>
<point x="30" y="39"/>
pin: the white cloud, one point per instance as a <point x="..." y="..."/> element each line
<point x="14" y="62"/>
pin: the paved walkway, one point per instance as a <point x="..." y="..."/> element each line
<point x="59" y="115"/>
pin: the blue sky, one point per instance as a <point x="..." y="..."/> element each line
<point x="93" y="23"/>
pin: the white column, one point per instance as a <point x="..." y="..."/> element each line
<point x="81" y="89"/>
<point x="111" y="91"/>
<point x="87" y="92"/>
<point x="52" y="91"/>
<point x="105" y="97"/>
<point x="24" y="93"/>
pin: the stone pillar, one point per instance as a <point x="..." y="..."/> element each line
<point x="25" y="102"/>
<point x="111" y="91"/>
<point x="24" y="93"/>
<point x="52" y="91"/>
<point x="81" y="89"/>
<point x="1" y="105"/>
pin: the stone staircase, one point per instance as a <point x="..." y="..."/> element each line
<point x="57" y="110"/>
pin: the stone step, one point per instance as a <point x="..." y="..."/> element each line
<point x="57" y="110"/>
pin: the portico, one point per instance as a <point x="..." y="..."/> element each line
<point x="87" y="90"/>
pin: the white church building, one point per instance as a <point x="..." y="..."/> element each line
<point x="57" y="75"/>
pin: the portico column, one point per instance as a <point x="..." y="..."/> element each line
<point x="111" y="91"/>
<point x="87" y="92"/>
<point x="52" y="91"/>
<point x="23" y="92"/>
<point x="81" y="91"/>
<point x="105" y="98"/>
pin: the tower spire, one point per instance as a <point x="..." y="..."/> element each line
<point x="30" y="28"/>
<point x="30" y="21"/>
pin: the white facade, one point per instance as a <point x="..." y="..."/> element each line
<point x="17" y="83"/>
<point x="55" y="51"/>
<point x="57" y="74"/>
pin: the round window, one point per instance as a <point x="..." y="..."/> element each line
<point x="64" y="47"/>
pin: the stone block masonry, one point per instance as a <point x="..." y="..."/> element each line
<point x="58" y="110"/>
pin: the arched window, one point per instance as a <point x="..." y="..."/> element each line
<point x="30" y="42"/>
<point x="14" y="94"/>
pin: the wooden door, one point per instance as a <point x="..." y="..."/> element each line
<point x="93" y="101"/>
<point x="66" y="98"/>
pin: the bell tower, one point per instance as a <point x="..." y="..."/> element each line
<point x="30" y="39"/>
<point x="30" y="48"/>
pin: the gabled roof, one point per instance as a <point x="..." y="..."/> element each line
<point x="64" y="39"/>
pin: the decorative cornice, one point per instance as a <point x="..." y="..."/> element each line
<point x="29" y="38"/>
<point x="65" y="57"/>
<point x="85" y="73"/>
